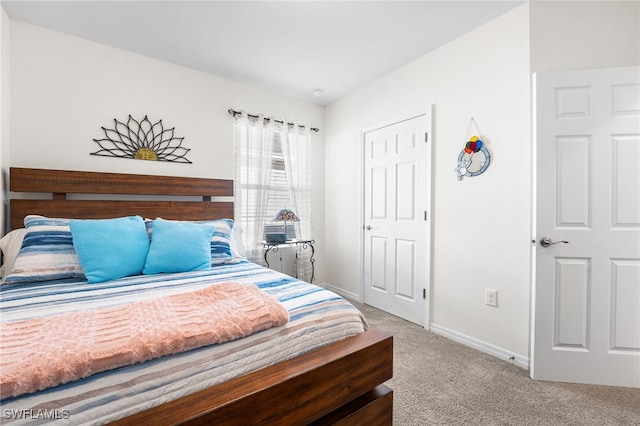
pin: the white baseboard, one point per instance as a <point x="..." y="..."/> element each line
<point x="341" y="292"/>
<point x="488" y="348"/>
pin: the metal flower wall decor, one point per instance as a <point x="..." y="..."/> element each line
<point x="142" y="140"/>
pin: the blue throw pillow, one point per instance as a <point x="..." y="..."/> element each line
<point x="110" y="248"/>
<point x="220" y="241"/>
<point x="178" y="246"/>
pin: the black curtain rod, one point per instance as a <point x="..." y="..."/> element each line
<point x="235" y="113"/>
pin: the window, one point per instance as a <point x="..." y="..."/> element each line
<point x="272" y="173"/>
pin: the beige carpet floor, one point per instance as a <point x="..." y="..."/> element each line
<point x="440" y="382"/>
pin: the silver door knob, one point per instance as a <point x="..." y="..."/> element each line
<point x="368" y="227"/>
<point x="547" y="241"/>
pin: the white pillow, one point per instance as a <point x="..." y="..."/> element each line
<point x="10" y="245"/>
<point x="235" y="242"/>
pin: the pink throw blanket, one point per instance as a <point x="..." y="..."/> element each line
<point x="44" y="352"/>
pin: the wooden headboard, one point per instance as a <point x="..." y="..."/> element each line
<point x="59" y="183"/>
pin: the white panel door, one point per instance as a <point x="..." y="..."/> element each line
<point x="587" y="287"/>
<point x="396" y="231"/>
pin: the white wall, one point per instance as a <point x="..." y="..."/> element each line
<point x="579" y="35"/>
<point x="64" y="88"/>
<point x="4" y="115"/>
<point x="481" y="224"/>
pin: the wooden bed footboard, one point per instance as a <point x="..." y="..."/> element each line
<point x="341" y="383"/>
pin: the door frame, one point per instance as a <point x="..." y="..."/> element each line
<point x="428" y="111"/>
<point x="534" y="220"/>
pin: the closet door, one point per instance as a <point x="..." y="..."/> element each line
<point x="396" y="226"/>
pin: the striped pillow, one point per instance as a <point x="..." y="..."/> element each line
<point x="220" y="242"/>
<point x="47" y="252"/>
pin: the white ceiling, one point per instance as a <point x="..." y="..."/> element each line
<point x="290" y="47"/>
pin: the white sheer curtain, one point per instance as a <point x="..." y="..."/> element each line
<point x="273" y="171"/>
<point x="296" y="149"/>
<point x="254" y="149"/>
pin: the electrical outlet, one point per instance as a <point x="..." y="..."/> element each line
<point x="491" y="297"/>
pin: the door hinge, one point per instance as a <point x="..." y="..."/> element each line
<point x="424" y="293"/>
<point x="426" y="137"/>
<point x="425" y="215"/>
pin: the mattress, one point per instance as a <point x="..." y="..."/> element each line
<point x="317" y="317"/>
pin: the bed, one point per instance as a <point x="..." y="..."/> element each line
<point x="279" y="375"/>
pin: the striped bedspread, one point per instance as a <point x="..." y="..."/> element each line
<point x="317" y="317"/>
